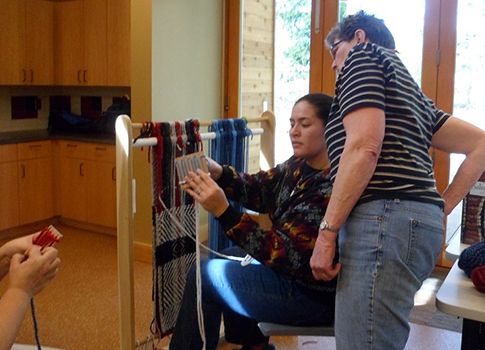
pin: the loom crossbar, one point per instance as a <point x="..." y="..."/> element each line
<point x="152" y="141"/>
<point x="125" y="212"/>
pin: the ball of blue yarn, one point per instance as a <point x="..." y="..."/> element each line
<point x="471" y="257"/>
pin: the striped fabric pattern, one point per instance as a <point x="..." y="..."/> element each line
<point x="173" y="218"/>
<point x="373" y="76"/>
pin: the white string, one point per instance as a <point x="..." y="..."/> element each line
<point x="200" y="313"/>
<point x="189" y="234"/>
<point x="198" y="244"/>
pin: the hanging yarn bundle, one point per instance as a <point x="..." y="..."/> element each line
<point x="230" y="147"/>
<point x="174" y="216"/>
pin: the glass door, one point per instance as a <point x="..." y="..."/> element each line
<point x="405" y="20"/>
<point x="469" y="101"/>
<point x="292" y="66"/>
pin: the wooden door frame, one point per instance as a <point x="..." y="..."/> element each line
<point x="439" y="51"/>
<point x="322" y="77"/>
<point x="231" y="58"/>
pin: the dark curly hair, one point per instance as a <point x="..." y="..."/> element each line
<point x="320" y="102"/>
<point x="374" y="28"/>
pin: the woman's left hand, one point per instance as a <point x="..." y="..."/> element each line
<point x="206" y="192"/>
<point x="9" y="249"/>
<point x="17" y="246"/>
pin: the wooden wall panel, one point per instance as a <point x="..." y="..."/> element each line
<point x="257" y="65"/>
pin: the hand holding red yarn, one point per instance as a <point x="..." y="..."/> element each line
<point x="31" y="272"/>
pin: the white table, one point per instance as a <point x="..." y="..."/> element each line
<point x="455" y="248"/>
<point x="458" y="296"/>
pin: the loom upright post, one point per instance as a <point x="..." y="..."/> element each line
<point x="125" y="230"/>
<point x="268" y="141"/>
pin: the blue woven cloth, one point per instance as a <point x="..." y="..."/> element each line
<point x="472" y="257"/>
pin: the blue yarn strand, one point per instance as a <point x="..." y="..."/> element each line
<point x="231" y="147"/>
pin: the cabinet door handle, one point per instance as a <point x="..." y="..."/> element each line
<point x="100" y="148"/>
<point x="24" y="73"/>
<point x="35" y="146"/>
<point x="79" y="76"/>
<point x="85" y="76"/>
<point x="31" y="75"/>
<point x="113" y="174"/>
<point x="71" y="145"/>
<point x="81" y="168"/>
<point x="23" y="170"/>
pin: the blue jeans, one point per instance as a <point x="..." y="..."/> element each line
<point x="387" y="249"/>
<point x="245" y="295"/>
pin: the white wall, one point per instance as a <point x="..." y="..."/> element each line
<point x="186" y="59"/>
<point x="187" y="63"/>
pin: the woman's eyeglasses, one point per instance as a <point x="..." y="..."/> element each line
<point x="334" y="46"/>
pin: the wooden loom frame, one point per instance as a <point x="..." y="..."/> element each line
<point x="125" y="214"/>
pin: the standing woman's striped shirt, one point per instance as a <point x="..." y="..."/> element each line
<point x="373" y="76"/>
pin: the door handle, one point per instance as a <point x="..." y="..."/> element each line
<point x="31" y="75"/>
<point x="317" y="16"/>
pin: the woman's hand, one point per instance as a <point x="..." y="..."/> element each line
<point x="215" y="169"/>
<point x="17" y="246"/>
<point x="204" y="189"/>
<point x="322" y="260"/>
<point x="9" y="249"/>
<point x="31" y="272"/>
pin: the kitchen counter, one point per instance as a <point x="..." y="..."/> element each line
<point x="41" y="135"/>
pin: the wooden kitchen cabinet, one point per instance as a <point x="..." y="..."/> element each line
<point x="119" y="48"/>
<point x="72" y="180"/>
<point x="12" y="46"/>
<point x="88" y="183"/>
<point x="39" y="42"/>
<point x="9" y="187"/>
<point x="101" y="185"/>
<point x="35" y="181"/>
<point x="81" y="42"/>
<point x="26" y="42"/>
<point x="101" y="209"/>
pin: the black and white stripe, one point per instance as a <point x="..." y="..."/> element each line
<point x="373" y="76"/>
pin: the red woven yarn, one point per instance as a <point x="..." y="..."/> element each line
<point x="478" y="278"/>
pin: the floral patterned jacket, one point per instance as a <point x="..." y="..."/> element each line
<point x="296" y="197"/>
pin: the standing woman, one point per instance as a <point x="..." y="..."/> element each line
<point x="385" y="208"/>
<point x="281" y="287"/>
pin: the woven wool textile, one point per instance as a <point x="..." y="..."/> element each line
<point x="230" y="147"/>
<point x="174" y="219"/>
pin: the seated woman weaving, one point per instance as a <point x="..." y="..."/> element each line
<point x="280" y="288"/>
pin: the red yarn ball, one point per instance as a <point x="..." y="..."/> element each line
<point x="478" y="278"/>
